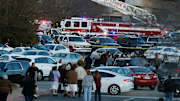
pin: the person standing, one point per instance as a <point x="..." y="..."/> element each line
<point x="87" y="86"/>
<point x="169" y="89"/>
<point x="54" y="76"/>
<point x="32" y="73"/>
<point x="5" y="88"/>
<point x="97" y="79"/>
<point x="72" y="81"/>
<point x="81" y="72"/>
<point x="28" y="89"/>
<point x="88" y="62"/>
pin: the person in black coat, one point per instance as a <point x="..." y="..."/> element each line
<point x="28" y="89"/>
<point x="88" y="62"/>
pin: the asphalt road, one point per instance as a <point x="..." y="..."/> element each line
<point x="143" y="94"/>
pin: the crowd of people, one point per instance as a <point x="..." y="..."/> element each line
<point x="69" y="79"/>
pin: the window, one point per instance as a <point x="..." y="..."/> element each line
<point x="65" y="39"/>
<point x="167" y="50"/>
<point x="76" y="39"/>
<point x="72" y="56"/>
<point x="13" y="67"/>
<point x="76" y="24"/>
<point x="104" y="75"/>
<point x="60" y="47"/>
<point x="50" y="61"/>
<point x="50" y="47"/>
<point x="68" y="24"/>
<point x="17" y="50"/>
<point x="60" y="55"/>
<point x="29" y="53"/>
<point x="84" y="24"/>
<point x="43" y="53"/>
<point x="41" y="60"/>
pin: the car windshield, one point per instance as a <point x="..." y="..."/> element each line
<point x="106" y="40"/>
<point x="141" y="70"/>
<point x="76" y="39"/>
<point x="112" y="51"/>
<point x="45" y="37"/>
<point x="131" y="62"/>
<point x="155" y="49"/>
<point x="29" y="53"/>
<point x="4" y="52"/>
<point x="137" y="40"/>
<point x="50" y="47"/>
<point x="153" y="39"/>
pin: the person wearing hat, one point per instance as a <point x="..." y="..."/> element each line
<point x="5" y="87"/>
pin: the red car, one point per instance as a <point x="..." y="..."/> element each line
<point x="144" y="77"/>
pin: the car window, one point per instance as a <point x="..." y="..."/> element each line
<point x="112" y="51"/>
<point x="43" y="53"/>
<point x="2" y="65"/>
<point x="106" y="40"/>
<point x="73" y="56"/>
<point x="76" y="24"/>
<point x="4" y="57"/>
<point x="167" y="50"/>
<point x="17" y="50"/>
<point x="101" y="50"/>
<point x="68" y="24"/>
<point x="41" y="60"/>
<point x="172" y="50"/>
<point x="51" y="61"/>
<point x="50" y="47"/>
<point x="105" y="75"/>
<point x="84" y="24"/>
<point x="65" y="39"/>
<point x="29" y="53"/>
<point x="60" y="55"/>
<point x="141" y="70"/>
<point x="13" y="67"/>
<point x="76" y="39"/>
<point x="156" y="49"/>
<point x="60" y="47"/>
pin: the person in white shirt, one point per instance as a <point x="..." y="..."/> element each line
<point x="81" y="73"/>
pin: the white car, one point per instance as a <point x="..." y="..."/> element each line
<point x="43" y="63"/>
<point x="55" y="48"/>
<point x="75" y="43"/>
<point x="114" y="83"/>
<point x="67" y="58"/>
<point x="103" y="50"/>
<point x="9" y="57"/>
<point x="166" y="54"/>
<point x="20" y="50"/>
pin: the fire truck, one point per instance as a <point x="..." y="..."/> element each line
<point x="95" y="26"/>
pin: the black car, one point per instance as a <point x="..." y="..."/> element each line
<point x="132" y="41"/>
<point x="105" y="41"/>
<point x="15" y="70"/>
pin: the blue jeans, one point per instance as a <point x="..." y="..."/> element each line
<point x="87" y="93"/>
<point x="29" y="98"/>
<point x="169" y="96"/>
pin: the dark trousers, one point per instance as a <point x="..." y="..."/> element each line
<point x="29" y="98"/>
<point x="3" y="96"/>
<point x="79" y="87"/>
<point x="98" y="93"/>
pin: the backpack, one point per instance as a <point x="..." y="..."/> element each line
<point x="51" y="76"/>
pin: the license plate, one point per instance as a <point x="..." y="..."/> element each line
<point x="146" y="77"/>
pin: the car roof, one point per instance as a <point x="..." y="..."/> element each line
<point x="106" y="71"/>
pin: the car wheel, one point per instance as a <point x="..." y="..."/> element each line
<point x="135" y="87"/>
<point x="114" y="89"/>
<point x="39" y="75"/>
<point x="152" y="87"/>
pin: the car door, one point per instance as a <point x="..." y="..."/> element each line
<point x="105" y="80"/>
<point x="43" y="64"/>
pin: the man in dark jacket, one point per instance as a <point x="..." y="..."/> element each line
<point x="169" y="88"/>
<point x="32" y="73"/>
<point x="88" y="62"/>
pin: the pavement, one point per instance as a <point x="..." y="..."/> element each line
<point x="142" y="94"/>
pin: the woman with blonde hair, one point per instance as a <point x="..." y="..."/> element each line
<point x="97" y="79"/>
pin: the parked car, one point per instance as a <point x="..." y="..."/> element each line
<point x="114" y="83"/>
<point x="55" y="48"/>
<point x="43" y="63"/>
<point x="165" y="54"/>
<point x="132" y="41"/>
<point x="75" y="43"/>
<point x="119" y="70"/>
<point x="9" y="57"/>
<point x="15" y="70"/>
<point x="67" y="58"/>
<point x="40" y="47"/>
<point x="20" y="50"/>
<point x="143" y="77"/>
<point x="112" y="51"/>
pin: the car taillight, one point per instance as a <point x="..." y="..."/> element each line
<point x="127" y="80"/>
<point x="60" y="60"/>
